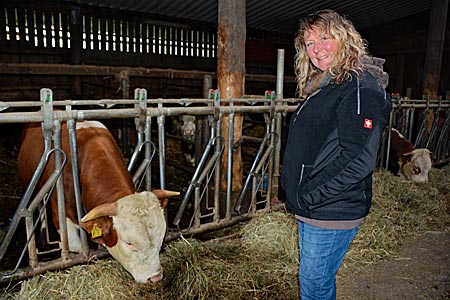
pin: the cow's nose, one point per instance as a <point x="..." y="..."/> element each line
<point x="156" y="278"/>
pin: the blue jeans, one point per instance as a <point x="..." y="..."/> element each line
<point x="321" y="254"/>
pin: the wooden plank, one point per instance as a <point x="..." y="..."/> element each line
<point x="30" y="14"/>
<point x="151" y="35"/>
<point x="102" y="33"/>
<point x="76" y="38"/>
<point x="3" y="40"/>
<point x="178" y="40"/>
<point x="86" y="31"/>
<point x="133" y="36"/>
<point x="120" y="35"/>
<point x="145" y="38"/>
<point x="59" y="30"/>
<point x="187" y="42"/>
<point x="48" y="29"/>
<point x="195" y="43"/>
<point x="157" y="42"/>
<point x="21" y="16"/>
<point x="39" y="26"/>
<point x="172" y="40"/>
<point x="65" y="30"/>
<point x="11" y="21"/>
<point x="111" y="34"/>
<point x="94" y="30"/>
<point x="163" y="39"/>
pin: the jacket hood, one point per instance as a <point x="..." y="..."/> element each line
<point x="374" y="65"/>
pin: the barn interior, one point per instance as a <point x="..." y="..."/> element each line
<point x="183" y="53"/>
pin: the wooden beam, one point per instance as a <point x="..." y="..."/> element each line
<point x="91" y="70"/>
<point x="231" y="79"/>
<point x="435" y="49"/>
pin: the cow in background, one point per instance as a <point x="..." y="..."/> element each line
<point x="187" y="131"/>
<point x="413" y="164"/>
<point x="130" y="225"/>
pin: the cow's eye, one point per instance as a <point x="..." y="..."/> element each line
<point x="129" y="245"/>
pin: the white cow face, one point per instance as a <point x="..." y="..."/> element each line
<point x="139" y="223"/>
<point x="416" y="165"/>
<point x="187" y="127"/>
<point x="140" y="226"/>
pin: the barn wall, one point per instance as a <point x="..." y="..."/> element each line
<point x="174" y="44"/>
<point x="48" y="34"/>
<point x="403" y="44"/>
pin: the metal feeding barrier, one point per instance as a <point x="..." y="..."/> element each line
<point x="426" y="123"/>
<point x="214" y="209"/>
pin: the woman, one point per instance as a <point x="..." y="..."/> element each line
<point x="332" y="146"/>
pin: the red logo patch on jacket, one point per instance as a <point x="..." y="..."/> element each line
<point x="368" y="123"/>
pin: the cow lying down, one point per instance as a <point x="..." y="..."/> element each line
<point x="130" y="225"/>
<point x="413" y="164"/>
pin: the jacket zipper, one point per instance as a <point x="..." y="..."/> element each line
<point x="298" y="185"/>
<point x="304" y="104"/>
<point x="299" y="110"/>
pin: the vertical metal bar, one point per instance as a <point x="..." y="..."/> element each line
<point x="162" y="149"/>
<point x="148" y="152"/>
<point x="411" y="123"/>
<point x="254" y="193"/>
<point x="71" y="126"/>
<point x="60" y="193"/>
<point x="24" y="201"/>
<point x="278" y="122"/>
<point x="46" y="96"/>
<point x="197" y="206"/>
<point x="230" y="162"/>
<point x="218" y="124"/>
<point x="273" y="140"/>
<point x="32" y="254"/>
<point x="388" y="147"/>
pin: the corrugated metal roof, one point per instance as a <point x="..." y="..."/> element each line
<point x="275" y="16"/>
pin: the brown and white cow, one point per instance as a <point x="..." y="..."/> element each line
<point x="413" y="164"/>
<point x="130" y="225"/>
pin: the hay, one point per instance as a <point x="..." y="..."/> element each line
<point x="261" y="262"/>
<point x="401" y="209"/>
<point x="252" y="267"/>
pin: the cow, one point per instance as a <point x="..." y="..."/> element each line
<point x="187" y="130"/>
<point x="413" y="164"/>
<point x="129" y="224"/>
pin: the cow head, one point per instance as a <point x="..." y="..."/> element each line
<point x="187" y="127"/>
<point x="132" y="229"/>
<point x="416" y="165"/>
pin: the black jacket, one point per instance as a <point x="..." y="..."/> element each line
<point x="332" y="148"/>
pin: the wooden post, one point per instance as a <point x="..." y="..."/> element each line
<point x="231" y="76"/>
<point x="435" y="48"/>
<point x="76" y="45"/>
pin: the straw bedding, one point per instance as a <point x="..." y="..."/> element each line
<point x="261" y="261"/>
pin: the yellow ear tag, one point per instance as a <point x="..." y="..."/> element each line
<point x="96" y="231"/>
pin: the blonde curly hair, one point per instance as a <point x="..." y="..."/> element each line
<point x="351" y="48"/>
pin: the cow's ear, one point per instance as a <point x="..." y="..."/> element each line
<point x="408" y="154"/>
<point x="405" y="157"/>
<point x="101" y="231"/>
<point x="163" y="202"/>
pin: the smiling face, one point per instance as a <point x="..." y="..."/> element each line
<point x="320" y="47"/>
